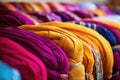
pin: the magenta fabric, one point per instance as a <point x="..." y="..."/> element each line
<point x="71" y="7"/>
<point x="13" y="18"/>
<point x="52" y="55"/>
<point x="30" y="67"/>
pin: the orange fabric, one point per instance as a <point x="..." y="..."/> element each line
<point x="103" y="45"/>
<point x="9" y="6"/>
<point x="99" y="12"/>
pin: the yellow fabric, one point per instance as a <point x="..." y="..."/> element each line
<point x="72" y="45"/>
<point x="98" y="12"/>
<point x="36" y="7"/>
<point x="104" y="46"/>
<point x="27" y="7"/>
<point x="112" y="24"/>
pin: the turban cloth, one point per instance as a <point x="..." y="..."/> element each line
<point x="63" y="16"/>
<point x="45" y="6"/>
<point x="67" y="16"/>
<point x="88" y="5"/>
<point x="73" y="16"/>
<point x="101" y="30"/>
<point x="8" y="73"/>
<point x="73" y="49"/>
<point x="30" y="67"/>
<point x="109" y="36"/>
<point x="45" y="16"/>
<point x="53" y="56"/>
<point x="56" y="6"/>
<point x="13" y="18"/>
<point x="115" y="48"/>
<point x="6" y="5"/>
<point x="18" y="6"/>
<point x="88" y="60"/>
<point x="71" y="7"/>
<point x="36" y="6"/>
<point x="102" y="43"/>
<point x="27" y="6"/>
<point x="113" y="30"/>
<point x="83" y="14"/>
<point x="111" y="22"/>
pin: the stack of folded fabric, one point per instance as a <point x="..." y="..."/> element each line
<point x="59" y="41"/>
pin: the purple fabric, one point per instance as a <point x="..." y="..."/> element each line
<point x="63" y="15"/>
<point x="45" y="16"/>
<point x="13" y="18"/>
<point x="53" y="56"/>
<point x="84" y="14"/>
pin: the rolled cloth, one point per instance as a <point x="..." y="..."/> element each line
<point x="72" y="45"/>
<point x="101" y="30"/>
<point x="54" y="6"/>
<point x="45" y="16"/>
<point x="53" y="56"/>
<point x="8" y="73"/>
<point x="113" y="30"/>
<point x="111" y="22"/>
<point x="6" y="5"/>
<point x="63" y="16"/>
<point x="115" y="48"/>
<point x="13" y="18"/>
<point x="103" y="45"/>
<point x="30" y="67"/>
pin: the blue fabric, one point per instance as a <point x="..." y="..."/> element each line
<point x="8" y="73"/>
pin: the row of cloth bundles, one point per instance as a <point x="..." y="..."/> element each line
<point x="59" y="41"/>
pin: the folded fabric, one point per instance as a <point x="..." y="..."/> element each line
<point x="54" y="6"/>
<point x="116" y="47"/>
<point x="8" y="73"/>
<point x="88" y="6"/>
<point x="73" y="16"/>
<point x="113" y="21"/>
<point x="29" y="66"/>
<point x="53" y="56"/>
<point x="45" y="16"/>
<point x="6" y="5"/>
<point x="104" y="46"/>
<point x="63" y="16"/>
<point x="70" y="7"/>
<point x="45" y="6"/>
<point x="18" y="6"/>
<point x="83" y="14"/>
<point x="101" y="30"/>
<point x="69" y="43"/>
<point x="110" y="28"/>
<point x="13" y="18"/>
<point x="27" y="6"/>
<point x="36" y="6"/>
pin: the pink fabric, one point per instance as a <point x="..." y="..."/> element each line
<point x="56" y="6"/>
<point x="45" y="6"/>
<point x="30" y="67"/>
